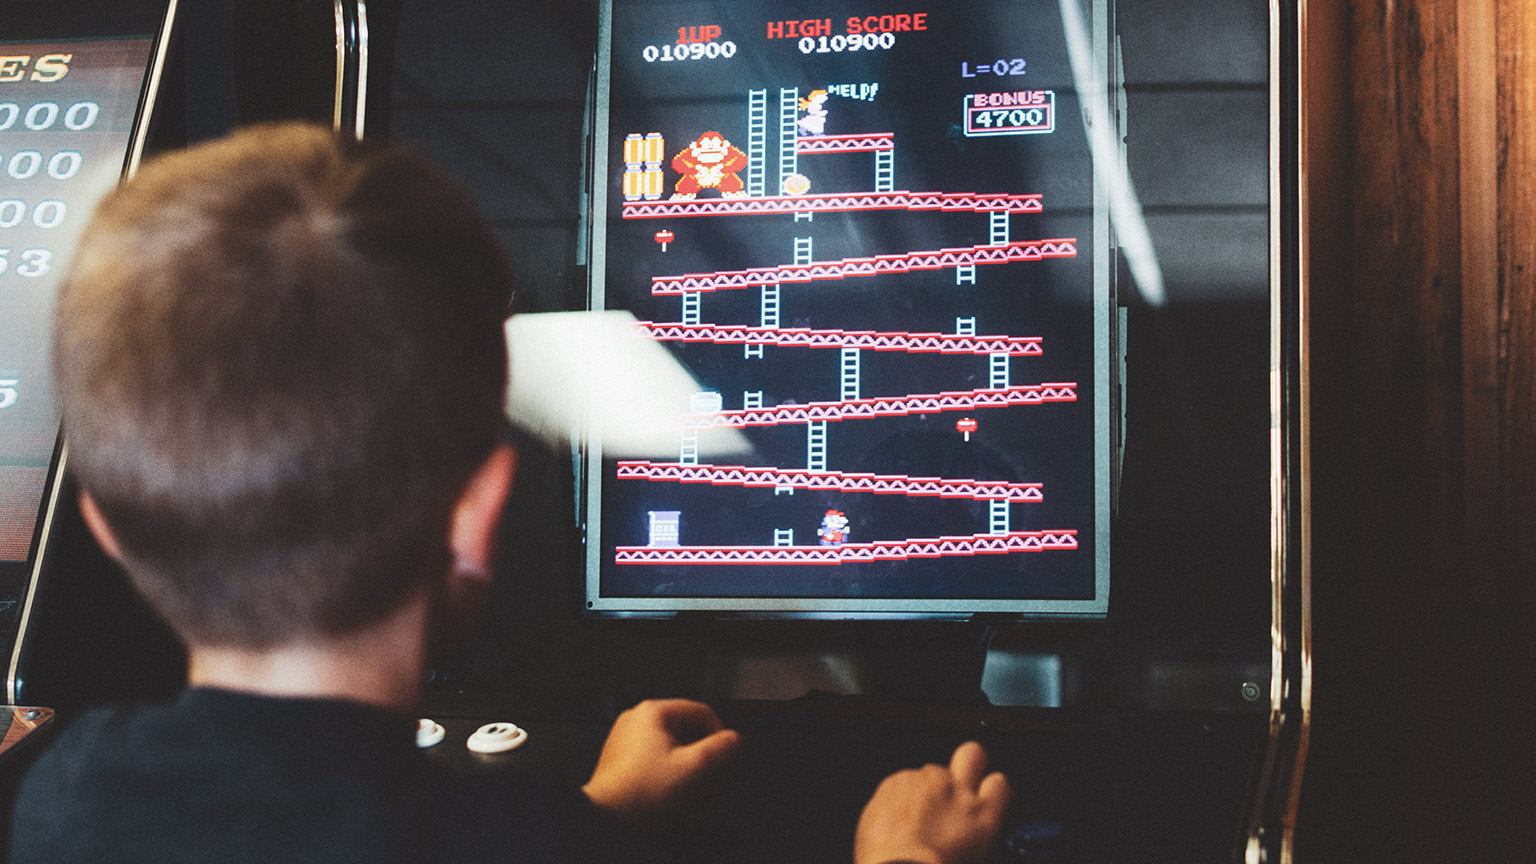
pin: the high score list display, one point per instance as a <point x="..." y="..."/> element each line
<point x="66" y="114"/>
<point x="869" y="237"/>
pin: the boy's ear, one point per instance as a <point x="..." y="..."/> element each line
<point x="472" y="533"/>
<point x="466" y="587"/>
<point x="98" y="525"/>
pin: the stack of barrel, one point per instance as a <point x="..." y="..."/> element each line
<point x="642" y="165"/>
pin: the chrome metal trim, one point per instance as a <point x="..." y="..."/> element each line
<point x="1261" y="841"/>
<point x="12" y="694"/>
<point x="1271" y="821"/>
<point x="1276" y="383"/>
<point x="351" y="41"/>
<point x="151" y="90"/>
<point x="341" y="64"/>
<point x="1304" y="430"/>
<point x="362" y="67"/>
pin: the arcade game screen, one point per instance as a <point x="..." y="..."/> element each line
<point x="872" y="234"/>
<point x="66" y="116"/>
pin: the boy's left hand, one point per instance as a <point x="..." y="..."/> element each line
<point x="657" y="753"/>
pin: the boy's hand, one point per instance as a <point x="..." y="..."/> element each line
<point x="656" y="754"/>
<point x="933" y="814"/>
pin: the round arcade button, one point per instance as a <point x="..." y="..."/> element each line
<point x="428" y="733"/>
<point x="496" y="738"/>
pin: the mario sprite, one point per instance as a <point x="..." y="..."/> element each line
<point x="711" y="162"/>
<point x="834" y="528"/>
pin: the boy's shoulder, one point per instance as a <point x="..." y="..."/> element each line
<point x="212" y="777"/>
<point x="231" y="777"/>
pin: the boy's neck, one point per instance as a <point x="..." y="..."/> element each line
<point x="381" y="665"/>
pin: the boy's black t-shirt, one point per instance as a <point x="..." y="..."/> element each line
<point x="230" y="777"/>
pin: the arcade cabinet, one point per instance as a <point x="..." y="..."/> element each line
<point x="888" y="375"/>
<point x="77" y="88"/>
<point x="891" y="375"/>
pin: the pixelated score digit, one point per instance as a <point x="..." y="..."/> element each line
<point x="864" y="42"/>
<point x="29" y="164"/>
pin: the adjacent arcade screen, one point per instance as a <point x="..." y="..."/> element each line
<point x="68" y="104"/>
<point x="872" y="233"/>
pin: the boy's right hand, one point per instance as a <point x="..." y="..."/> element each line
<point x="934" y="814"/>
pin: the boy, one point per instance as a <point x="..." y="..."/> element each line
<point x="281" y="364"/>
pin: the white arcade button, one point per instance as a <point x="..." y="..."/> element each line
<point x="428" y="733"/>
<point x="496" y="738"/>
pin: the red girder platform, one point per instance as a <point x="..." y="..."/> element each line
<point x="836" y="481"/>
<point x="852" y="553"/>
<point x="938" y="259"/>
<point x="804" y="337"/>
<point x="867" y="142"/>
<point x="888" y="406"/>
<point x="975" y="202"/>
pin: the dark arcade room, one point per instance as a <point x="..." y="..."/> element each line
<point x="761" y="431"/>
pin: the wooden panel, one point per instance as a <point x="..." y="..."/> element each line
<point x="1517" y="266"/>
<point x="1477" y="90"/>
<point x="1387" y="424"/>
<point x="1406" y="376"/>
<point x="1515" y="593"/>
<point x="1425" y="434"/>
